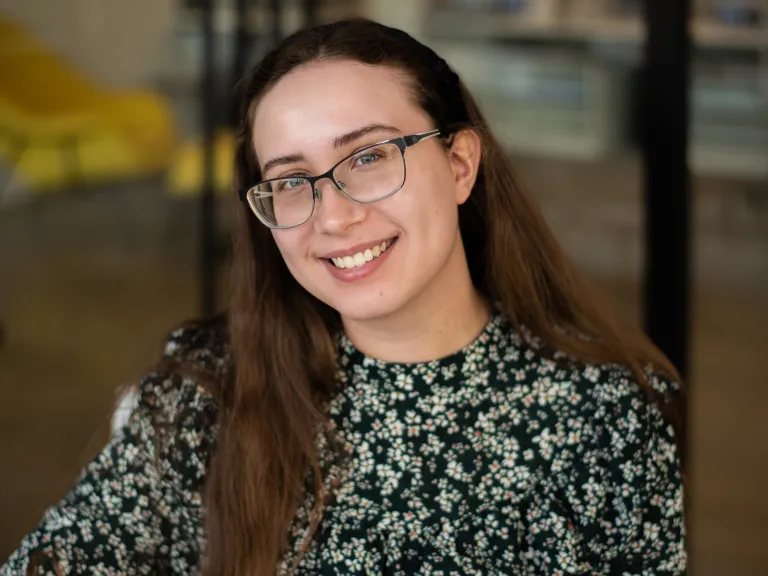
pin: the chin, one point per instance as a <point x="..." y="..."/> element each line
<point x="365" y="308"/>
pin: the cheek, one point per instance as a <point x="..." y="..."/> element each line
<point x="291" y="246"/>
<point x="431" y="201"/>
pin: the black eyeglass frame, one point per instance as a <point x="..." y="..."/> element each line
<point x="402" y="143"/>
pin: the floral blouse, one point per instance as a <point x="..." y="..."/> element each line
<point x="492" y="460"/>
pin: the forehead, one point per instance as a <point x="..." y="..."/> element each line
<point x="315" y="103"/>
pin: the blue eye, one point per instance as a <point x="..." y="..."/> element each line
<point x="291" y="183"/>
<point x="367" y="158"/>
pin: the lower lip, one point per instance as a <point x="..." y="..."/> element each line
<point x="359" y="272"/>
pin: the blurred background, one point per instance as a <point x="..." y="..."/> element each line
<point x="107" y="239"/>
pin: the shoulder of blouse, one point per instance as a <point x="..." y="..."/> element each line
<point x="179" y="396"/>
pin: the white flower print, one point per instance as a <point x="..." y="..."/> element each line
<point x="495" y="459"/>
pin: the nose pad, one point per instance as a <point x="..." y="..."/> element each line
<point x="319" y="188"/>
<point x="337" y="211"/>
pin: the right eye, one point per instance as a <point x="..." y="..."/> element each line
<point x="291" y="184"/>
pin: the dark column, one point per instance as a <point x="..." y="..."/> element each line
<point x="277" y="22"/>
<point x="667" y="179"/>
<point x="208" y="275"/>
<point x="241" y="51"/>
<point x="310" y="12"/>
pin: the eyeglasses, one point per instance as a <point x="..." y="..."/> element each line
<point x="368" y="175"/>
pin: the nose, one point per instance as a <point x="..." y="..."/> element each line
<point x="335" y="212"/>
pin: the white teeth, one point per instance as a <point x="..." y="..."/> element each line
<point x="361" y="258"/>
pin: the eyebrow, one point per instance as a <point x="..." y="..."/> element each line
<point x="350" y="137"/>
<point x="338" y="142"/>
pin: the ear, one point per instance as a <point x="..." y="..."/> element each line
<point x="464" y="158"/>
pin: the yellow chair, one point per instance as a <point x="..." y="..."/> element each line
<point x="57" y="127"/>
<point x="186" y="176"/>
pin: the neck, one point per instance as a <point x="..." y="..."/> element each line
<point x="441" y="320"/>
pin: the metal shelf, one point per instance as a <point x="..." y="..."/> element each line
<point x="475" y="46"/>
<point x="457" y="23"/>
<point x="556" y="104"/>
<point x="706" y="160"/>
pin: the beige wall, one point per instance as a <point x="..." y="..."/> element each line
<point x="120" y="42"/>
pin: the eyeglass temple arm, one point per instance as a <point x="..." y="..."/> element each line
<point x="416" y="138"/>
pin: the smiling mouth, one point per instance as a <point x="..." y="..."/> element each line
<point x="359" y="259"/>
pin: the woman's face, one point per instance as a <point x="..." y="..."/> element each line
<point x="322" y="112"/>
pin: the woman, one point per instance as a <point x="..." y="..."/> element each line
<point x="412" y="378"/>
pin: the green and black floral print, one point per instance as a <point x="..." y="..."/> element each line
<point x="493" y="460"/>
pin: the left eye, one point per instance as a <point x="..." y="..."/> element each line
<point x="367" y="158"/>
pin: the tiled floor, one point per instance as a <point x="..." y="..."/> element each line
<point x="87" y="294"/>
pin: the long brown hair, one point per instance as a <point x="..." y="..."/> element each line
<point x="282" y="337"/>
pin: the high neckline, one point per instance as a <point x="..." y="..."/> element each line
<point x="492" y="333"/>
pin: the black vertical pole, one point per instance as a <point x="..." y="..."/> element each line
<point x="667" y="179"/>
<point x="310" y="12"/>
<point x="207" y="202"/>
<point x="241" y="50"/>
<point x="277" y="21"/>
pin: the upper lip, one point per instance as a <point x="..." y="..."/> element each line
<point x="356" y="248"/>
